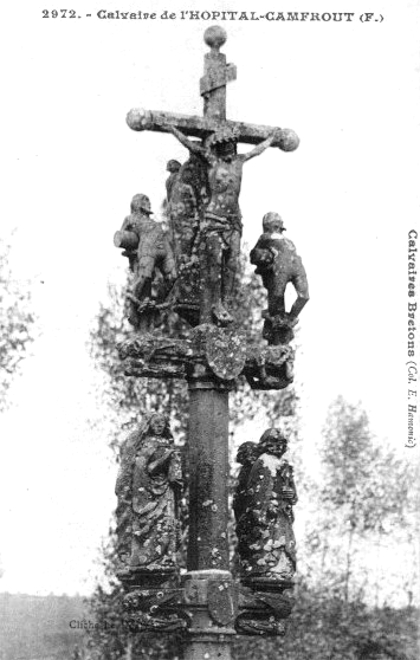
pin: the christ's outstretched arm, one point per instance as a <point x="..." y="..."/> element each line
<point x="194" y="147"/>
<point x="259" y="148"/>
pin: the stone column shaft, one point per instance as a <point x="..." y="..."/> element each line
<point x="208" y="439"/>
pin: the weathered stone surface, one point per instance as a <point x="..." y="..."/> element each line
<point x="208" y="459"/>
<point x="216" y="74"/>
<point x="189" y="195"/>
<point x="173" y="167"/>
<point x="157" y="356"/>
<point x="148" y="489"/>
<point x="278" y="264"/>
<point x="150" y="254"/>
<point x="225" y="352"/>
<point x="221" y="226"/>
<point x="220" y="352"/>
<point x="204" y="219"/>
<point x="139" y="119"/>
<point x="211" y="595"/>
<point x="207" y="260"/>
<point x="269" y="368"/>
<point x="264" y="612"/>
<point x="155" y="610"/>
<point x="263" y="507"/>
<point x="247" y="454"/>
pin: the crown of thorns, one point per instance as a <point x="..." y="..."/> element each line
<point x="225" y="134"/>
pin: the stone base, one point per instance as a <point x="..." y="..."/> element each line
<point x="155" y="610"/>
<point x="210" y="605"/>
<point x="263" y="606"/>
<point x="211" y="598"/>
<point x="267" y="584"/>
<point x="132" y="578"/>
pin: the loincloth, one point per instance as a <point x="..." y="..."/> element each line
<point x="224" y="227"/>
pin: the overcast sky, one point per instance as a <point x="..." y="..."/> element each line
<point x="348" y="197"/>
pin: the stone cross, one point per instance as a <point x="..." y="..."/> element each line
<point x="221" y="228"/>
<point x="213" y="88"/>
<point x="211" y="599"/>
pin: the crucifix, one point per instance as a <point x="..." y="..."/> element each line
<point x="211" y="605"/>
<point x="221" y="223"/>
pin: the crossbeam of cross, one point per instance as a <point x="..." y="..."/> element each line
<point x="213" y="89"/>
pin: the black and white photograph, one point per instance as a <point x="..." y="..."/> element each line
<point x="209" y="344"/>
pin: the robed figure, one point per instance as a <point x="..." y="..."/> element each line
<point x="148" y="489"/>
<point x="266" y="542"/>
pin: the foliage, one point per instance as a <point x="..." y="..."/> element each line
<point x="366" y="496"/>
<point x="322" y="627"/>
<point x="362" y="480"/>
<point x="35" y="627"/>
<point x="16" y="321"/>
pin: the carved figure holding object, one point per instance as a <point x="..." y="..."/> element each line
<point x="266" y="541"/>
<point x="278" y="264"/>
<point x="149" y="251"/>
<point x="148" y="488"/>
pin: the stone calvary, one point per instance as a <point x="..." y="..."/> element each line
<point x="191" y="268"/>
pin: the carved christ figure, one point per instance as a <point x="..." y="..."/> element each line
<point x="221" y="227"/>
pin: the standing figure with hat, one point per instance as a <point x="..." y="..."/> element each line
<point x="278" y="264"/>
<point x="221" y="226"/>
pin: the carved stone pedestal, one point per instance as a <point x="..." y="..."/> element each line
<point x="152" y="601"/>
<point x="210" y="598"/>
<point x="211" y="352"/>
<point x="154" y="610"/>
<point x="263" y="607"/>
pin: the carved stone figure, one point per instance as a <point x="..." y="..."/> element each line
<point x="205" y="225"/>
<point x="278" y="263"/>
<point x="148" y="490"/>
<point x="183" y="210"/>
<point x="173" y="167"/>
<point x="246" y="456"/>
<point x="148" y="249"/>
<point x="221" y="228"/>
<point x="266" y="541"/>
<point x="189" y="192"/>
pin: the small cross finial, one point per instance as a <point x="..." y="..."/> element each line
<point x="215" y="37"/>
